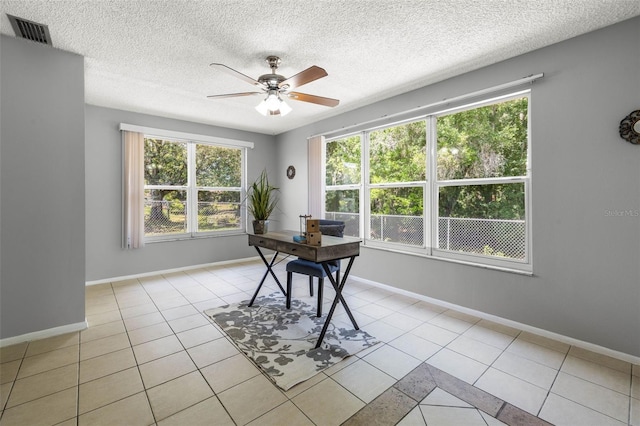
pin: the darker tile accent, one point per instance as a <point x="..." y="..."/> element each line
<point x="418" y="383"/>
<point x="466" y="392"/>
<point x="397" y="401"/>
<point x="387" y="409"/>
<point x="512" y="415"/>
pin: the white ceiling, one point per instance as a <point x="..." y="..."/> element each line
<point x="153" y="56"/>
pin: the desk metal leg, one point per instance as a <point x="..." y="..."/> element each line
<point x="338" y="289"/>
<point x="269" y="266"/>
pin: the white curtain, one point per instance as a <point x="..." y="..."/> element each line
<point x="133" y="190"/>
<point x="315" y="158"/>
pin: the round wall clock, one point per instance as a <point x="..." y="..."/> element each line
<point x="291" y="172"/>
<point x="630" y="127"/>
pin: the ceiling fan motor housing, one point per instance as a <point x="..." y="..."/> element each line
<point x="272" y="80"/>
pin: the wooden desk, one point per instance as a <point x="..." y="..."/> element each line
<point x="332" y="248"/>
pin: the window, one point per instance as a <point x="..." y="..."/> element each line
<point x="397" y="183"/>
<point x="452" y="184"/>
<point x="342" y="183"/>
<point x="191" y="189"/>
<point x="482" y="180"/>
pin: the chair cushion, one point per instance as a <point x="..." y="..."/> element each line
<point x="308" y="267"/>
<point x="335" y="230"/>
<point x="330" y="222"/>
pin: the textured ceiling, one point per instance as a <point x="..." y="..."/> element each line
<point x="153" y="56"/>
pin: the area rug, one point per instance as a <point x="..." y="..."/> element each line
<point x="281" y="341"/>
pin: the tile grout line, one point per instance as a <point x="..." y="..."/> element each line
<point x="144" y="388"/>
<point x="262" y="372"/>
<point x="374" y="408"/>
<point x="593" y="383"/>
<point x="131" y="345"/>
<point x="113" y="293"/>
<point x="385" y="343"/>
<point x="80" y="360"/>
<point x="631" y="398"/>
<point x="504" y="408"/>
<point x="185" y="350"/>
<point x="564" y="359"/>
<point x="13" y="383"/>
<point x="224" y="335"/>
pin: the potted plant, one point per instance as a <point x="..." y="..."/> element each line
<point x="262" y="201"/>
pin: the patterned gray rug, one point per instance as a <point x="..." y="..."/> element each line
<point x="281" y="342"/>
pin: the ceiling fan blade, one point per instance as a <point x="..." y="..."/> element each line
<point x="236" y="74"/>
<point x="303" y="77"/>
<point x="234" y="95"/>
<point x="313" y="99"/>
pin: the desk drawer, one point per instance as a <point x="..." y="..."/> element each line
<point x="257" y="240"/>
<point x="300" y="250"/>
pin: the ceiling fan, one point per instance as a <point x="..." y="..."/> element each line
<point x="275" y="86"/>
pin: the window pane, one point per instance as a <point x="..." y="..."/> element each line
<point x="484" y="142"/>
<point x="217" y="166"/>
<point x="343" y="161"/>
<point x="165" y="162"/>
<point x="165" y="212"/>
<point x="398" y="154"/>
<point x="483" y="219"/>
<point x="344" y="205"/>
<point x="396" y="215"/>
<point x="218" y="210"/>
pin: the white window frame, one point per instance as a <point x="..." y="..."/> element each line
<point x="192" y="140"/>
<point x="430" y="192"/>
<point x="424" y="247"/>
<point x="346" y="187"/>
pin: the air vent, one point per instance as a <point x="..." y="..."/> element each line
<point x="30" y="30"/>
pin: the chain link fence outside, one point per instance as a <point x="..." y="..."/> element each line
<point x="217" y="216"/>
<point x="490" y="237"/>
<point x="397" y="229"/>
<point x="164" y="217"/>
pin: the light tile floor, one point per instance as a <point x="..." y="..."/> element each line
<point x="151" y="357"/>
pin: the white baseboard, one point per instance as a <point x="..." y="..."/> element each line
<point x="540" y="332"/>
<point x="514" y="324"/>
<point x="169" y="271"/>
<point x="43" y="334"/>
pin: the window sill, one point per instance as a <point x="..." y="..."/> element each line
<point x="195" y="237"/>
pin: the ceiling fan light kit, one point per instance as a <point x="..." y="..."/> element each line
<point x="273" y="105"/>
<point x="275" y="86"/>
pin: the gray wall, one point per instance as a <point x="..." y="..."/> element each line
<point x="105" y="257"/>
<point x="42" y="188"/>
<point x="586" y="261"/>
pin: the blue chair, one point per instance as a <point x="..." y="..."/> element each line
<point x="306" y="267"/>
